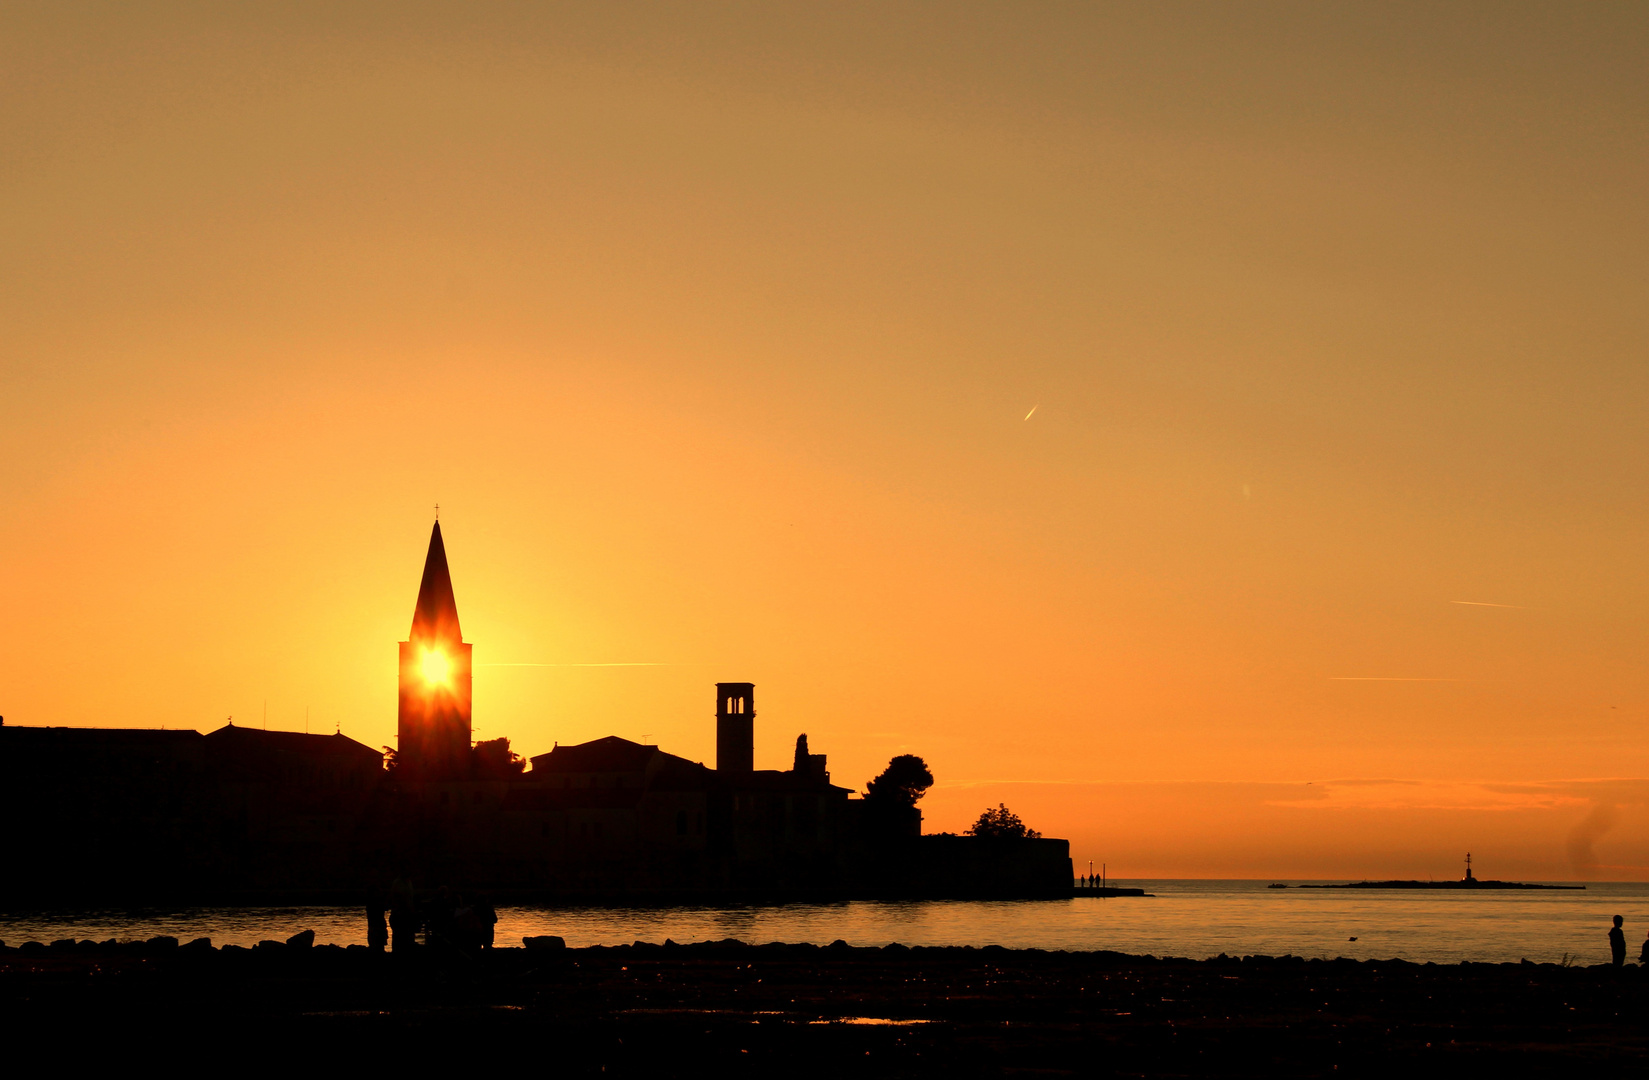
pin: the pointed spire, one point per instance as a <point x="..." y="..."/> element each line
<point x="437" y="612"/>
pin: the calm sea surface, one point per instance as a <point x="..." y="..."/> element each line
<point x="1183" y="918"/>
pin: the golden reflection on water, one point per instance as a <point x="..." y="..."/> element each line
<point x="1185" y="918"/>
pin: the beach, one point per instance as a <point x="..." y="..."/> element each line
<point x="676" y="1010"/>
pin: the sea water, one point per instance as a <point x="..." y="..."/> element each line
<point x="1182" y="918"/>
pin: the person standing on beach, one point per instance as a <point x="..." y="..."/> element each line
<point x="1643" y="954"/>
<point x="1617" y="943"/>
<point x="377" y="931"/>
<point x="403" y="915"/>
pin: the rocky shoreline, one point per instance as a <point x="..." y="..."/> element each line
<point x="677" y="1010"/>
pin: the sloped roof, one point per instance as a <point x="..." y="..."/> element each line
<point x="611" y="754"/>
<point x="256" y="740"/>
<point x="55" y="749"/>
<point x="678" y="774"/>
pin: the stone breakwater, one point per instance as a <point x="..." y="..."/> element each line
<point x="668" y="1009"/>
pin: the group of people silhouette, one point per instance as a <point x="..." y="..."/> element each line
<point x="446" y="919"/>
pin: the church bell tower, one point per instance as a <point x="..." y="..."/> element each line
<point x="735" y="727"/>
<point x="433" y="733"/>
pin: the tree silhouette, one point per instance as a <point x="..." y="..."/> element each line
<point x="905" y="780"/>
<point x="495" y="761"/>
<point x="1002" y="824"/>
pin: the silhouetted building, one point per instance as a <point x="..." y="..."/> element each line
<point x="674" y="824"/>
<point x="809" y="765"/>
<point x="291" y="810"/>
<point x="735" y="727"/>
<point x="94" y="813"/>
<point x="612" y="813"/>
<point x="88" y="810"/>
<point x="433" y="729"/>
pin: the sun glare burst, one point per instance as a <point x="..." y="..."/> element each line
<point x="436" y="668"/>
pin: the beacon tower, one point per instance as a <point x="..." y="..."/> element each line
<point x="433" y="732"/>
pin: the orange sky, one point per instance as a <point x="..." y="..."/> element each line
<point x="714" y="330"/>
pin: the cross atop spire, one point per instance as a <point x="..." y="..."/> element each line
<point x="436" y="615"/>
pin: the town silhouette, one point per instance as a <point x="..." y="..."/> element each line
<point x="143" y="815"/>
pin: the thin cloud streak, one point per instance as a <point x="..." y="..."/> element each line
<point x="638" y="663"/>
<point x="1485" y="603"/>
<point x="1385" y="678"/>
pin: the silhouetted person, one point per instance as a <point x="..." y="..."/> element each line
<point x="403" y="916"/>
<point x="441" y="921"/>
<point x="466" y="928"/>
<point x="1617" y="943"/>
<point x="1643" y="954"/>
<point x="486" y="918"/>
<point x="377" y="931"/>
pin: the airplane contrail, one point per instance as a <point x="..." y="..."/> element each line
<point x="1485" y="603"/>
<point x="1033" y="409"/>
<point x="627" y="663"/>
<point x="1384" y="678"/>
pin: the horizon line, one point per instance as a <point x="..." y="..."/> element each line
<point x="1361" y="780"/>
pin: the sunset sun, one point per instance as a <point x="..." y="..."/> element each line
<point x="435" y="667"/>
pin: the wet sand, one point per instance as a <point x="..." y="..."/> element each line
<point x="801" y="1010"/>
